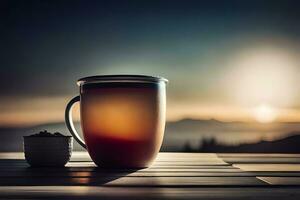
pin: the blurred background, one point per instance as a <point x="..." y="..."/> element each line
<point x="233" y="67"/>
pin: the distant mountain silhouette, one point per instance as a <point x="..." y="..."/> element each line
<point x="215" y="125"/>
<point x="193" y="131"/>
<point x="286" y="145"/>
<point x="178" y="134"/>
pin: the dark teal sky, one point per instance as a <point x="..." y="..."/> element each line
<point x="47" y="45"/>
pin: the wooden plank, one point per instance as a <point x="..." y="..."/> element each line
<point x="23" y="163"/>
<point x="148" y="170"/>
<point x="167" y="156"/>
<point x="269" y="167"/>
<point x="162" y="158"/>
<point x="274" y="174"/>
<point x="21" y="166"/>
<point x="133" y="181"/>
<point x="196" y="162"/>
<point x="12" y="155"/>
<point x="192" y="170"/>
<point x="4" y="165"/>
<point x="96" y="173"/>
<point x="9" y="166"/>
<point x="166" y="165"/>
<point x="185" y="181"/>
<point x="83" y="156"/>
<point x="277" y="160"/>
<point x="281" y="181"/>
<point x="188" y="163"/>
<point x="83" y="192"/>
<point x="258" y="155"/>
<point x="179" y="154"/>
<point x="135" y="174"/>
<point x="237" y="158"/>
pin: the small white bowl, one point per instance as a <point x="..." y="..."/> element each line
<point x="46" y="151"/>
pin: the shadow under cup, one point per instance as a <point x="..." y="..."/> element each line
<point x="123" y="119"/>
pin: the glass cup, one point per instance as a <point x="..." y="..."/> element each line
<point x="122" y="119"/>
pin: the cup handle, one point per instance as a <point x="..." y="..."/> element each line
<point x="69" y="121"/>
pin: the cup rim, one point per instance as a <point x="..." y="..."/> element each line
<point x="121" y="78"/>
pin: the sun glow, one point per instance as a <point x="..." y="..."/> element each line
<point x="264" y="75"/>
<point x="264" y="113"/>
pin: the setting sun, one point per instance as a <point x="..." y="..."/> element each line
<point x="266" y="74"/>
<point x="264" y="113"/>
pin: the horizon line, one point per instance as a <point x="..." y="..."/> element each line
<point x="27" y="125"/>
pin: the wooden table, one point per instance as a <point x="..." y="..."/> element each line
<point x="172" y="176"/>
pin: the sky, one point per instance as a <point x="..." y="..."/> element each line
<point x="227" y="60"/>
